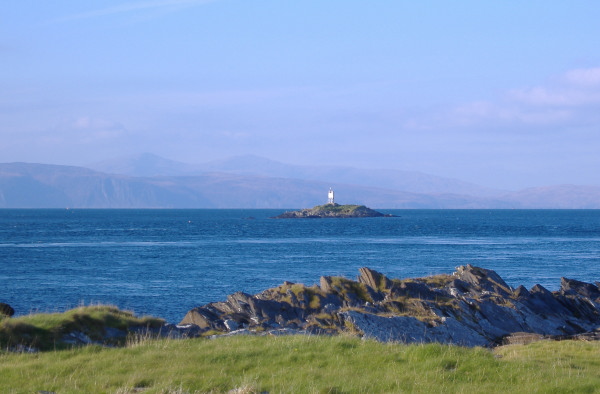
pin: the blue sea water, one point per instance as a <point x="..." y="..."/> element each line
<point x="165" y="262"/>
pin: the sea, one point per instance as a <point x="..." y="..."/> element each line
<point x="166" y="262"/>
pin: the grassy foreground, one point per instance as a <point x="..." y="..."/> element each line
<point x="302" y="364"/>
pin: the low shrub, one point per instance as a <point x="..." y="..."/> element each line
<point x="45" y="331"/>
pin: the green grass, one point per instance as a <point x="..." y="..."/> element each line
<point x="338" y="207"/>
<point x="298" y="364"/>
<point x="303" y="364"/>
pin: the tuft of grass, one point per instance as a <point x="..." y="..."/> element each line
<point x="310" y="296"/>
<point x="305" y="364"/>
<point x="437" y="281"/>
<point x="348" y="289"/>
<point x="327" y="322"/>
<point x="407" y="306"/>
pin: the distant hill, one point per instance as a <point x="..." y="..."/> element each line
<point x="407" y="181"/>
<point x="24" y="185"/>
<point x="557" y="197"/>
<point x="144" y="165"/>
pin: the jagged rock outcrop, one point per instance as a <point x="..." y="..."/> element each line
<point x="472" y="307"/>
<point x="333" y="211"/>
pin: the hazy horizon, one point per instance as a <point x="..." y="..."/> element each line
<point x="497" y="94"/>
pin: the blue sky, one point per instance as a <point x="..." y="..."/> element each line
<point x="500" y="93"/>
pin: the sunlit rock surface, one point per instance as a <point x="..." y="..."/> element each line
<point x="472" y="306"/>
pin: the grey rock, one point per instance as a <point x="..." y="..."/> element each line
<point x="521" y="292"/>
<point x="231" y="325"/>
<point x="482" y="279"/>
<point x="202" y="317"/>
<point x="472" y="307"/>
<point x="416" y="290"/>
<point x="168" y="330"/>
<point x="577" y="288"/>
<point x="408" y="329"/>
<point x="330" y="308"/>
<point x="373" y="279"/>
<point x="76" y="338"/>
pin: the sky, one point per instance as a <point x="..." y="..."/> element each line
<point x="505" y="94"/>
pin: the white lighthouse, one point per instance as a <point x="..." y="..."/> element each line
<point x="330" y="197"/>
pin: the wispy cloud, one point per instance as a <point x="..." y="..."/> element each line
<point x="575" y="88"/>
<point x="552" y="97"/>
<point x="585" y="77"/>
<point x="133" y="7"/>
<point x="85" y="130"/>
<point x="571" y="99"/>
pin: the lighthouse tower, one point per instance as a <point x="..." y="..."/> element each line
<point x="330" y="197"/>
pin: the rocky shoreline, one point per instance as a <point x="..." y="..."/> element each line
<point x="471" y="307"/>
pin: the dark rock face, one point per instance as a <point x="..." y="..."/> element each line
<point x="574" y="287"/>
<point x="471" y="307"/>
<point x="6" y="309"/>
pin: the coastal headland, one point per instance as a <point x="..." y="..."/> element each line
<point x="472" y="306"/>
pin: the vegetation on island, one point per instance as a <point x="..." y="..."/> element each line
<point x="333" y="210"/>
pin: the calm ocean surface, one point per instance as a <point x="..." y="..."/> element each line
<point x="165" y="262"/>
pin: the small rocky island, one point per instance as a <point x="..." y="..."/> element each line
<point x="333" y="210"/>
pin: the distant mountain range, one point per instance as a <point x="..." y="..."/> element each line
<point x="146" y="165"/>
<point x="149" y="181"/>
